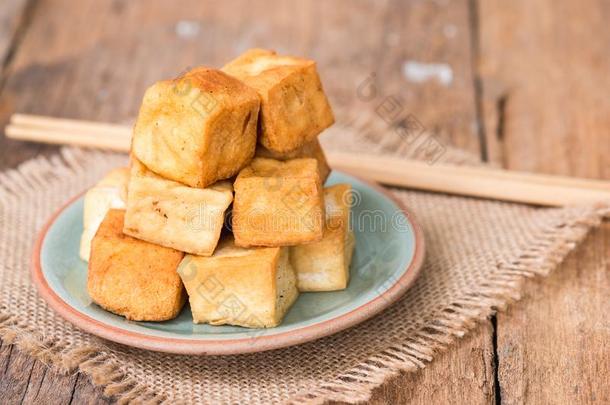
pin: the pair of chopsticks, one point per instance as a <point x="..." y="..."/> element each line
<point x="505" y="185"/>
<point x="51" y="130"/>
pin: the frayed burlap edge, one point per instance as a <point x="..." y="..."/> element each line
<point x="103" y="368"/>
<point x="355" y="385"/>
<point x="461" y="316"/>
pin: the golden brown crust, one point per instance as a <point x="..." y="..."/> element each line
<point x="324" y="265"/>
<point x="294" y="108"/>
<point x="133" y="278"/>
<point x="311" y="149"/>
<point x="278" y="203"/>
<point x="247" y="287"/>
<point x="198" y="128"/>
<point x="171" y="214"/>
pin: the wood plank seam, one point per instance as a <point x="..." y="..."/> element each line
<point x="78" y="377"/>
<point x="25" y="393"/>
<point x="415" y="16"/>
<point x="501" y="103"/>
<point x="496" y="360"/>
<point x="476" y="77"/>
<point x="545" y="111"/>
<point x="473" y="7"/>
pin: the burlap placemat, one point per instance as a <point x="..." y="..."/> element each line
<point x="479" y="252"/>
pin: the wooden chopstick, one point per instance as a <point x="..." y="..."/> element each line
<point x="54" y="136"/>
<point x="71" y="132"/>
<point x="39" y="121"/>
<point x="475" y="182"/>
<point x="539" y="189"/>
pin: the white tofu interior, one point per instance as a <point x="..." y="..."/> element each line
<point x="98" y="201"/>
<point x="324" y="265"/>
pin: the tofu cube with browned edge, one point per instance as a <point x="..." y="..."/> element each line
<point x="133" y="278"/>
<point x="278" y="203"/>
<point x="324" y="265"/>
<point x="249" y="287"/>
<point x="294" y="108"/>
<point x="198" y="128"/>
<point x="311" y="149"/>
<point x="174" y="215"/>
<point x="109" y="192"/>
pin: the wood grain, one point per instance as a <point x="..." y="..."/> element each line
<point x="99" y="73"/>
<point x="463" y="375"/>
<point x="15" y="371"/>
<point x="542" y="85"/>
<point x="544" y="71"/>
<point x="478" y="182"/>
<point x="553" y="347"/>
<point x="46" y="386"/>
<point x="90" y="70"/>
<point x="85" y="393"/>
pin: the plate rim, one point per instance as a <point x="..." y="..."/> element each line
<point x="240" y="345"/>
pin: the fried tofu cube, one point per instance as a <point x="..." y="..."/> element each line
<point x="173" y="215"/>
<point x="110" y="192"/>
<point x="250" y="287"/>
<point x="198" y="128"/>
<point x="324" y="265"/>
<point x="133" y="278"/>
<point x="294" y="108"/>
<point x="278" y="203"/>
<point x="311" y="149"/>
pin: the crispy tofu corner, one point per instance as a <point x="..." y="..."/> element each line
<point x="198" y="128"/>
<point x="133" y="278"/>
<point x="294" y="107"/>
<point x="278" y="203"/>
<point x="249" y="287"/>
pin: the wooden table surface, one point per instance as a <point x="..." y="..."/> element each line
<point x="526" y="85"/>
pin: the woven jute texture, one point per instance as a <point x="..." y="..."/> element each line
<point x="478" y="254"/>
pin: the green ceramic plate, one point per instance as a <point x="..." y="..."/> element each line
<point x="388" y="256"/>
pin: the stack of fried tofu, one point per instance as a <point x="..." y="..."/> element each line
<point x="223" y="203"/>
